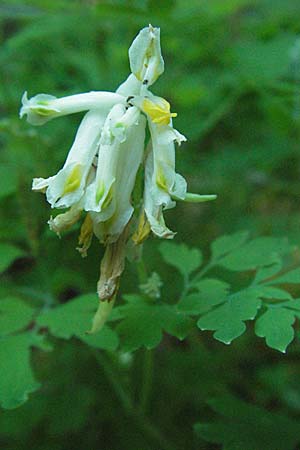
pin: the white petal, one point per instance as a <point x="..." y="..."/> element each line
<point x="167" y="134"/>
<point x="60" y="194"/>
<point x="129" y="159"/>
<point x="42" y="108"/>
<point x="100" y="193"/>
<point x="165" y="179"/>
<point x="145" y="57"/>
<point x="40" y="184"/>
<point x="64" y="221"/>
<point x="154" y="207"/>
<point x="131" y="86"/>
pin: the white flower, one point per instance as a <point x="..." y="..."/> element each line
<point x="101" y="193"/>
<point x="68" y="185"/>
<point x="154" y="209"/>
<point x="130" y="157"/>
<point x="166" y="183"/>
<point x="42" y="108"/>
<point x="145" y="58"/>
<point x="162" y="184"/>
<point x="99" y="174"/>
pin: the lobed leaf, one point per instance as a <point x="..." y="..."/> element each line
<point x="226" y="244"/>
<point x="185" y="259"/>
<point x="274" y="293"/>
<point x="74" y="319"/>
<point x="227" y="319"/>
<point x="290" y="277"/>
<point x="17" y="380"/>
<point x="14" y="315"/>
<point x="276" y="326"/>
<point x="262" y="251"/>
<point x="144" y="322"/>
<point x="211" y="292"/>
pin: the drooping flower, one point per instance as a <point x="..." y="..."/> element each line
<point x="130" y="158"/>
<point x="67" y="187"/>
<point x="99" y="175"/>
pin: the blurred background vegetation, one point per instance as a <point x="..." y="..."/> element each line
<point x="233" y="75"/>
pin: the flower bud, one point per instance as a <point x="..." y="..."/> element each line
<point x="146" y="61"/>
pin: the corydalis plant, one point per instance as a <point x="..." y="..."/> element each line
<point x="99" y="174"/>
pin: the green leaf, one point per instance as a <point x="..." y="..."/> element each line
<point x="276" y="326"/>
<point x="8" y="254"/>
<point x="227" y="319"/>
<point x="293" y="304"/>
<point x="106" y="339"/>
<point x="8" y="180"/>
<point x="243" y="426"/>
<point x="14" y="315"/>
<point x="16" y="378"/>
<point x="74" y="319"/>
<point x="290" y="277"/>
<point x="185" y="259"/>
<point x="144" y="322"/>
<point x="226" y="244"/>
<point x="212" y="286"/>
<point x="211" y="292"/>
<point x="274" y="293"/>
<point x="263" y="273"/>
<point x="262" y="251"/>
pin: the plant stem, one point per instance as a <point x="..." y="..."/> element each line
<point x="202" y="272"/>
<point x="130" y="410"/>
<point x="141" y="270"/>
<point x="147" y="380"/>
<point x="188" y="283"/>
<point x="147" y="374"/>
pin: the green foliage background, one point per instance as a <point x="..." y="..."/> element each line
<point x="233" y="75"/>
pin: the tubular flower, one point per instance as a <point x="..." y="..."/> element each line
<point x="130" y="158"/>
<point x="100" y="175"/>
<point x="68" y="186"/>
<point x="145" y="58"/>
<point x="42" y="108"/>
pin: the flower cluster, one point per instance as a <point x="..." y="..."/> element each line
<point x="99" y="174"/>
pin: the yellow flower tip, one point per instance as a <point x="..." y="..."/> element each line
<point x="143" y="230"/>
<point x="161" y="180"/>
<point x="101" y="192"/>
<point x="86" y="235"/>
<point x="73" y="180"/>
<point x="158" y="110"/>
